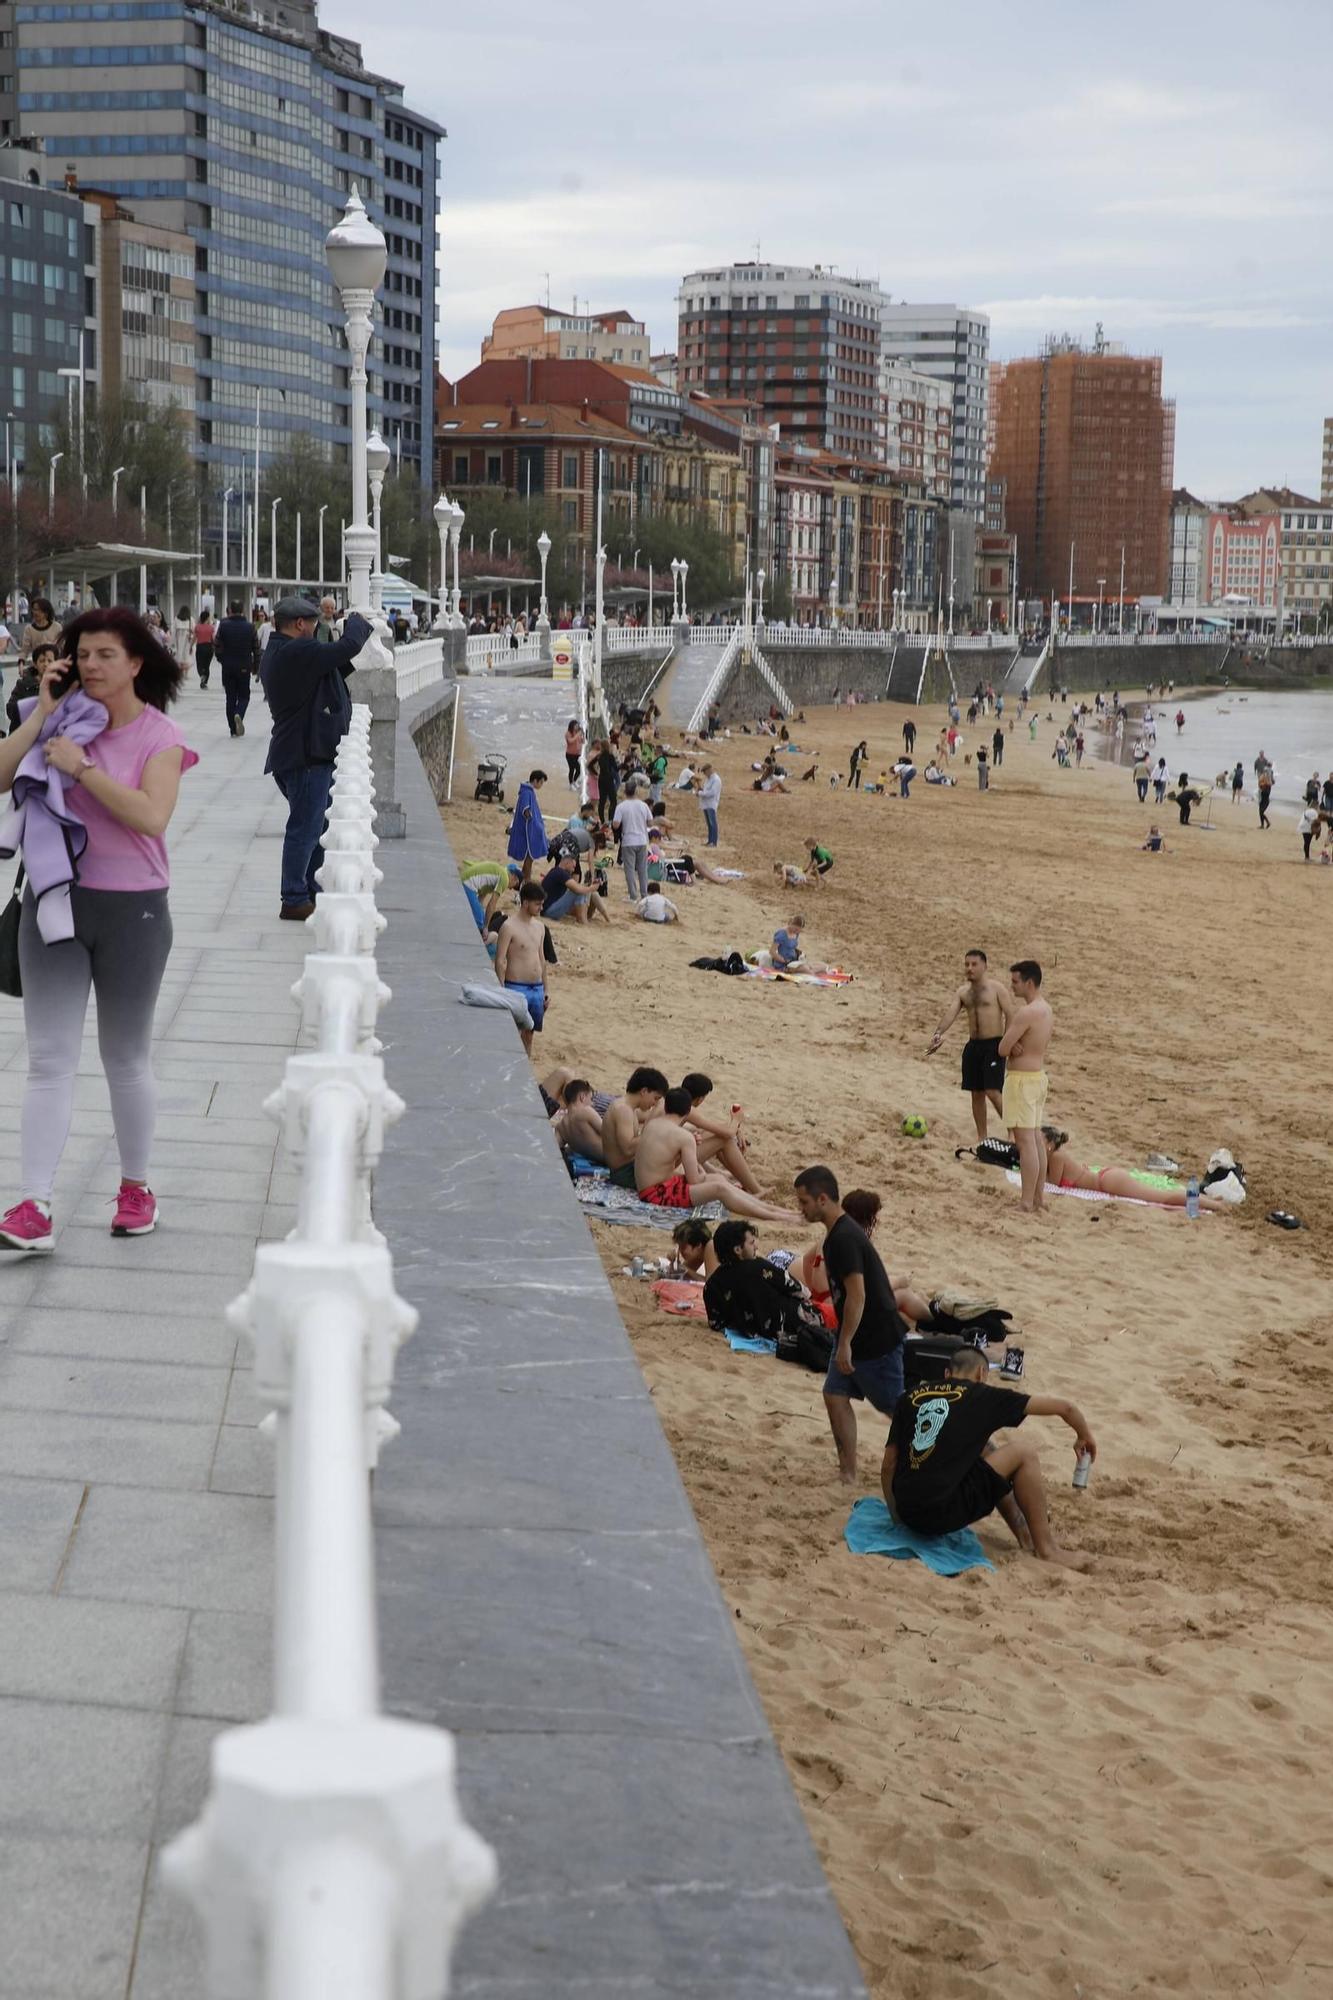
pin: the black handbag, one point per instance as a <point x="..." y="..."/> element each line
<point x="11" y="981"/>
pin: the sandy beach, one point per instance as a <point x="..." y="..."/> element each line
<point x="1023" y="1782"/>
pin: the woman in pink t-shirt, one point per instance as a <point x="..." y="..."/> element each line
<point x="123" y="786"/>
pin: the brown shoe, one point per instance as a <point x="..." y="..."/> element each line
<point x="296" y="913"/>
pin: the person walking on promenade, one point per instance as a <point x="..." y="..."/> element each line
<point x="94" y="772"/>
<point x="306" y="686"/>
<point x="205" y="632"/>
<point x="41" y="628"/>
<point x="182" y="635"/>
<point x="237" y="652"/>
<point x="710" y="796"/>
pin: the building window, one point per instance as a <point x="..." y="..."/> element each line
<point x="460" y="468"/>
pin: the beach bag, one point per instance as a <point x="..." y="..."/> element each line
<point x="993" y="1152"/>
<point x="11" y="981"/>
<point x="803" y="1337"/>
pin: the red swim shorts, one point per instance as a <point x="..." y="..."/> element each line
<point x="673" y="1193"/>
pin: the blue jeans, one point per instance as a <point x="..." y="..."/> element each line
<point x="710" y="821"/>
<point x="306" y="791"/>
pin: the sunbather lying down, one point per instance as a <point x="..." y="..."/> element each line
<point x="1063" y="1170"/>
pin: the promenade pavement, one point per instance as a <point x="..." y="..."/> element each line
<point x="135" y="1531"/>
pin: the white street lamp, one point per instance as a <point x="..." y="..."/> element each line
<point x="322" y="512"/>
<point x="297" y="578"/>
<point x="115" y="491"/>
<point x="457" y="517"/>
<point x="1101" y="587"/>
<point x="761" y="577"/>
<point x="543" y="550"/>
<point x="684" y="579"/>
<point x="442" y="513"/>
<point x="675" y="588"/>
<point x="273" y="541"/>
<point x="51" y="484"/>
<point x="357" y="257"/>
<point x="226" y="505"/>
<point x="378" y="457"/>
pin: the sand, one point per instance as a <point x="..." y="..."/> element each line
<point x="1022" y="1781"/>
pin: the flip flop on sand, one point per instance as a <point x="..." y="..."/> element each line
<point x="1285" y="1219"/>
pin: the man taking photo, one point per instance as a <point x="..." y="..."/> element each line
<point x="306" y="685"/>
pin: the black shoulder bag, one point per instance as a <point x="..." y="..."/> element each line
<point x="11" y="981"/>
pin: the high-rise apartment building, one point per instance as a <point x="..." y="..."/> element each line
<point x="1086" y="445"/>
<point x="544" y="333"/>
<point x="803" y="342"/>
<point x="244" y="126"/>
<point x="1326" y="476"/>
<point x="916" y="425"/>
<point x="952" y="344"/>
<point x="47" y="300"/>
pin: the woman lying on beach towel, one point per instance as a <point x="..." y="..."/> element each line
<point x="1062" y="1170"/>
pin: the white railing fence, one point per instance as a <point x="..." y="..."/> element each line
<point x="771" y="681"/>
<point x="491" y="653"/>
<point x="636" y="639"/>
<point x="716" y="682"/>
<point x="418" y="664"/>
<point x="331" y="1859"/>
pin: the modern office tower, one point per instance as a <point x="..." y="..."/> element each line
<point x="802" y="342"/>
<point x="244" y="126"/>
<point x="952" y="344"/>
<point x="1086" y="443"/>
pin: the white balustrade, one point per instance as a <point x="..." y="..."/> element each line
<point x="331" y="1861"/>
<point x="716" y="682"/>
<point x="419" y="665"/>
<point x="636" y="639"/>
<point x="771" y="681"/>
<point x="491" y="653"/>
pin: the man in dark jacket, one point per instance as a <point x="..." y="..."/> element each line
<point x="306" y="686"/>
<point x="236" y="650"/>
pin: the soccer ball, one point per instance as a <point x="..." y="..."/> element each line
<point x="914" y="1126"/>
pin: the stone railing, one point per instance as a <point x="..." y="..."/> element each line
<point x="331" y="1857"/>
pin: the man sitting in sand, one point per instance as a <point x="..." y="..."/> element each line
<point x="624" y="1119"/>
<point x="787" y="953"/>
<point x="719" y="1139"/>
<point x="563" y="894"/>
<point x="668" y="1174"/>
<point x="1023" y="1046"/>
<point x="695" y="1255"/>
<point x="520" y="958"/>
<point x="989" y="1009"/>
<point x="578" y="1126"/>
<point x="942" y="1470"/>
<point x="1062" y="1170"/>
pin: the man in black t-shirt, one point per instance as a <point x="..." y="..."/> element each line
<point x="941" y="1472"/>
<point x="867" y="1363"/>
<point x="745" y="1292"/>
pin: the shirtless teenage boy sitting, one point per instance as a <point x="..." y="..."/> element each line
<point x="989" y="1009"/>
<point x="579" y="1126"/>
<point x="668" y="1174"/>
<point x="1023" y="1045"/>
<point x="623" y="1122"/>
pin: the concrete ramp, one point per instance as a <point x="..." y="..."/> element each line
<point x="524" y="720"/>
<point x="684" y="686"/>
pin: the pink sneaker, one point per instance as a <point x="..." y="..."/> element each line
<point x="136" y="1211"/>
<point x="26" y="1227"/>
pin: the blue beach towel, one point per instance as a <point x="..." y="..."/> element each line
<point x="744" y="1343"/>
<point x="872" y="1531"/>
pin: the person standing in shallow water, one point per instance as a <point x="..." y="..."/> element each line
<point x="115" y="763"/>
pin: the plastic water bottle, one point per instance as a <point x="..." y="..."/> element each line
<point x="1192" y="1197"/>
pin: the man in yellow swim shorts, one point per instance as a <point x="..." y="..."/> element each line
<point x="1023" y="1046"/>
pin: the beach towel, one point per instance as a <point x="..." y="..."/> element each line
<point x="1097" y="1194"/>
<point x="744" y="1343"/>
<point x="527" y="834"/>
<point x="680" y="1296"/>
<point x="835" y="976"/>
<point x="616" y="1204"/>
<point x="495" y="996"/>
<point x="872" y="1531"/>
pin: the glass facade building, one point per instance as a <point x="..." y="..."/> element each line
<point x="245" y="126"/>
<point x="47" y="290"/>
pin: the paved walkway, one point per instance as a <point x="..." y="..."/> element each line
<point x="135" y="1533"/>
<point x="524" y="720"/>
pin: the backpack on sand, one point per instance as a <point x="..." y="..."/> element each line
<point x="993" y="1152"/>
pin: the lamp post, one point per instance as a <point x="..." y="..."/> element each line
<point x="226" y="506"/>
<point x="378" y="458"/>
<point x="357" y="256"/>
<point x="273" y="541"/>
<point x="442" y="513"/>
<point x="51" y="484"/>
<point x="543" y="551"/>
<point x="322" y="512"/>
<point x="297" y="578"/>
<point x="1120" y="621"/>
<point x="675" y="588"/>
<point x="1101" y="586"/>
<point x="761" y="578"/>
<point x="684" y="580"/>
<point x="457" y="517"/>
<point x="600" y="571"/>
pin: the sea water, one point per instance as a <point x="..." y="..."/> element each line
<point x="1295" y="731"/>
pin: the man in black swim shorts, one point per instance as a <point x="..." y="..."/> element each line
<point x="989" y="1007"/>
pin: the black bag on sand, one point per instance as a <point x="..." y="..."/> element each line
<point x="11" y="981"/>
<point x="804" y="1338"/>
<point x="994" y="1152"/>
<point x="925" y="1359"/>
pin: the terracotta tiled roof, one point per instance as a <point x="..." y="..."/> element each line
<point x="510" y="421"/>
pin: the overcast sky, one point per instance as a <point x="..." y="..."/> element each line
<point x="1164" y="168"/>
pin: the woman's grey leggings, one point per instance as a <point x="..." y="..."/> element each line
<point x="121" y="942"/>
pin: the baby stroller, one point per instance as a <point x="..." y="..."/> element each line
<point x="490" y="779"/>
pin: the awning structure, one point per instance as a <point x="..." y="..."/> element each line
<point x="105" y="558"/>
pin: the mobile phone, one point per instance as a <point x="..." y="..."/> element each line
<point x="65" y="679"/>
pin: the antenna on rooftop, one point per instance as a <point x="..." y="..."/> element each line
<point x="547" y="276"/>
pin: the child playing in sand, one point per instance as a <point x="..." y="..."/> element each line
<point x="1154" y="844"/>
